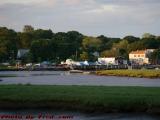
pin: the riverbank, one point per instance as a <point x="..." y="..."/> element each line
<point x="131" y="73"/>
<point x="81" y="98"/>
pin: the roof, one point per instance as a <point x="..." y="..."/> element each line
<point x="22" y="52"/>
<point x="138" y="52"/>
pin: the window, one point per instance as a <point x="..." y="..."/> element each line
<point x="142" y="55"/>
<point x="134" y="55"/>
<point x="138" y="55"/>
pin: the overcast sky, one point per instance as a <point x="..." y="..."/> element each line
<point x="113" y="18"/>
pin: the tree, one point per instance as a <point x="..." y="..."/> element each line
<point x="25" y="39"/>
<point x="108" y="53"/>
<point x="28" y="28"/>
<point x="42" y="34"/>
<point x="148" y="35"/>
<point x="106" y="42"/>
<point x="155" y="57"/>
<point x="75" y="38"/>
<point x="131" y="39"/>
<point x="150" y="43"/>
<point x="63" y="50"/>
<point x="8" y="44"/>
<point x="84" y="56"/>
<point x="68" y="43"/>
<point x="139" y="45"/>
<point x="42" y="50"/>
<point x="119" y="49"/>
<point x="91" y="44"/>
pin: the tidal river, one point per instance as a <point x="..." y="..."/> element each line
<point x="66" y="78"/>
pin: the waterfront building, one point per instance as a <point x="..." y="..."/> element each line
<point x="140" y="56"/>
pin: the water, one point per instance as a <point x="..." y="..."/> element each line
<point x="65" y="78"/>
<point x="63" y="115"/>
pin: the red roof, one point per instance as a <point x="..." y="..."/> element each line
<point x="138" y="52"/>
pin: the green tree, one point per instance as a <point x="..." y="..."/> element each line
<point x="131" y="39"/>
<point x="150" y="43"/>
<point x="155" y="57"/>
<point x="84" y="56"/>
<point x="106" y="42"/>
<point x="43" y="34"/>
<point x="91" y="44"/>
<point x="75" y="39"/>
<point x="148" y="35"/>
<point x="42" y="50"/>
<point x="25" y="39"/>
<point x="108" y="53"/>
<point x="8" y="44"/>
<point x="122" y="49"/>
<point x="28" y="28"/>
<point x="68" y="43"/>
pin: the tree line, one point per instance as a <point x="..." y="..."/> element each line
<point x="45" y="45"/>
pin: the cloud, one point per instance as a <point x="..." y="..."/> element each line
<point x="93" y="17"/>
<point x="72" y="2"/>
<point x="44" y="3"/>
<point x="20" y="1"/>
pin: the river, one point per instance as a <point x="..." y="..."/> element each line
<point x="66" y="78"/>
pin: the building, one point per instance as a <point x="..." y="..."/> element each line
<point x="106" y="61"/>
<point x="21" y="53"/>
<point x="140" y="56"/>
<point x="112" y="61"/>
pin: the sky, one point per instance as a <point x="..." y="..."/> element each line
<point x="112" y="18"/>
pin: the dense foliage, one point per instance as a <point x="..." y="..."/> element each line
<point x="46" y="45"/>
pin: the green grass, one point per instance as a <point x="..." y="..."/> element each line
<point x="82" y="98"/>
<point x="131" y="73"/>
<point x="4" y="68"/>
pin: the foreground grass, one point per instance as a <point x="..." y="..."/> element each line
<point x="82" y="98"/>
<point x="131" y="73"/>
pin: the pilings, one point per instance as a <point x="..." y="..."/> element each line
<point x="100" y="67"/>
<point x="112" y="67"/>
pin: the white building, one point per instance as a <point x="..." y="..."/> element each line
<point x="106" y="61"/>
<point x="112" y="61"/>
<point x="140" y="56"/>
<point x="68" y="62"/>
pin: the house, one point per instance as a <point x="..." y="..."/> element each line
<point x="112" y="61"/>
<point x="22" y="52"/>
<point x="70" y="62"/>
<point x="106" y="61"/>
<point x="140" y="56"/>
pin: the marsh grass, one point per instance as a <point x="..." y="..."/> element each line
<point x="131" y="73"/>
<point x="81" y="98"/>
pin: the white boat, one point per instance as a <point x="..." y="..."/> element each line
<point x="76" y="71"/>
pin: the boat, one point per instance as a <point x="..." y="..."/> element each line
<point x="76" y="71"/>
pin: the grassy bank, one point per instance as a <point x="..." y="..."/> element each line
<point x="131" y="73"/>
<point x="3" y="67"/>
<point x="81" y="98"/>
